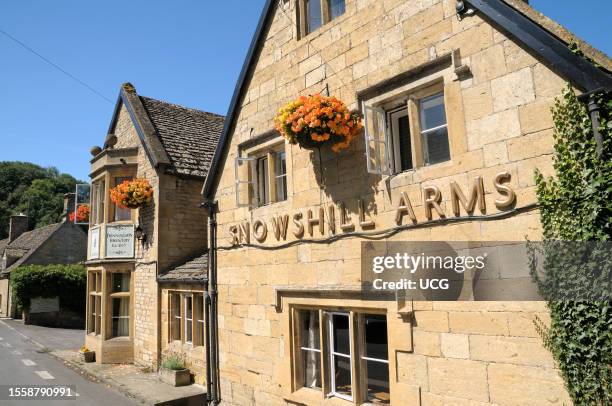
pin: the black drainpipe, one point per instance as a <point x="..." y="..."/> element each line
<point x="213" y="395"/>
<point x="590" y="99"/>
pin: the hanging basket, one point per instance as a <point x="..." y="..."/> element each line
<point x="132" y="194"/>
<point x="314" y="121"/>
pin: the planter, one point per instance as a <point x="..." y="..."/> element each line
<point x="87" y="356"/>
<point x="180" y="377"/>
<point x="317" y="120"/>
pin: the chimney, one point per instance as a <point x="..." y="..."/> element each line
<point x="69" y="206"/>
<point x="17" y="225"/>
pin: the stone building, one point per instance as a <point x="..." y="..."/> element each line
<point x="463" y="90"/>
<point x="60" y="243"/>
<point x="147" y="267"/>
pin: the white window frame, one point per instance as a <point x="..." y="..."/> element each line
<point x="333" y="353"/>
<point x="380" y="140"/>
<point x="431" y="130"/>
<point x="251" y="181"/>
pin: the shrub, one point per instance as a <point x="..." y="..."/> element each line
<point x="174" y="363"/>
<point x="69" y="282"/>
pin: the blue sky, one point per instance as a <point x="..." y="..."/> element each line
<point x="187" y="52"/>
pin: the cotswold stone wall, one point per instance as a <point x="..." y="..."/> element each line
<point x="499" y="121"/>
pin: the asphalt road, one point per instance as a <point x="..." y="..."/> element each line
<point x="22" y="362"/>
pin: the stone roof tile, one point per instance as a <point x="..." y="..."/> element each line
<point x="189" y="136"/>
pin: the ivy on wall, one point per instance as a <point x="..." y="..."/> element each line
<point x="576" y="205"/>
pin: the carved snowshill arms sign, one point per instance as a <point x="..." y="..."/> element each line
<point x="432" y="197"/>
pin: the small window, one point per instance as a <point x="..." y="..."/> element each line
<point x="310" y="348"/>
<point x="434" y="130"/>
<point x="261" y="178"/>
<point x="280" y="174"/>
<point x="263" y="187"/>
<point x="94" y="319"/>
<point x="121" y="317"/>
<point x="313" y="14"/>
<point x="188" y="319"/>
<point x="406" y="133"/>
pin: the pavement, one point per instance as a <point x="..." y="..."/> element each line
<point x="61" y="346"/>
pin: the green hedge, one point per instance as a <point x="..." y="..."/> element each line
<point x="69" y="282"/>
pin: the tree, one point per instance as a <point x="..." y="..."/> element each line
<point x="32" y="190"/>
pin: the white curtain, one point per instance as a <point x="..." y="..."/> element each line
<point x="310" y="363"/>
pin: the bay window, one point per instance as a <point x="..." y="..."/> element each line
<point x="120" y="304"/>
<point x="343" y="354"/>
<point x="94" y="305"/>
<point x="120" y="213"/>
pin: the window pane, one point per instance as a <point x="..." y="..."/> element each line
<point x="376" y="337"/>
<point x="189" y="307"/>
<point x="341" y="342"/>
<point x="342" y="377"/>
<point x="175" y="321"/>
<point x="436" y="146"/>
<point x="432" y="112"/>
<point x="262" y="180"/>
<point x="336" y="8"/>
<point x="313" y="15"/>
<point x="122" y="214"/>
<point x="311" y="365"/>
<point x="121" y="282"/>
<point x="281" y="176"/>
<point x="405" y="144"/>
<point x="309" y="334"/>
<point x="121" y="317"/>
<point x="378" y="382"/>
<point x="188" y="319"/>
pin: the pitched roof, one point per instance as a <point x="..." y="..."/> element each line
<point x="192" y="271"/>
<point x="179" y="140"/>
<point x="189" y="136"/>
<point x="533" y="23"/>
<point x="27" y="243"/>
